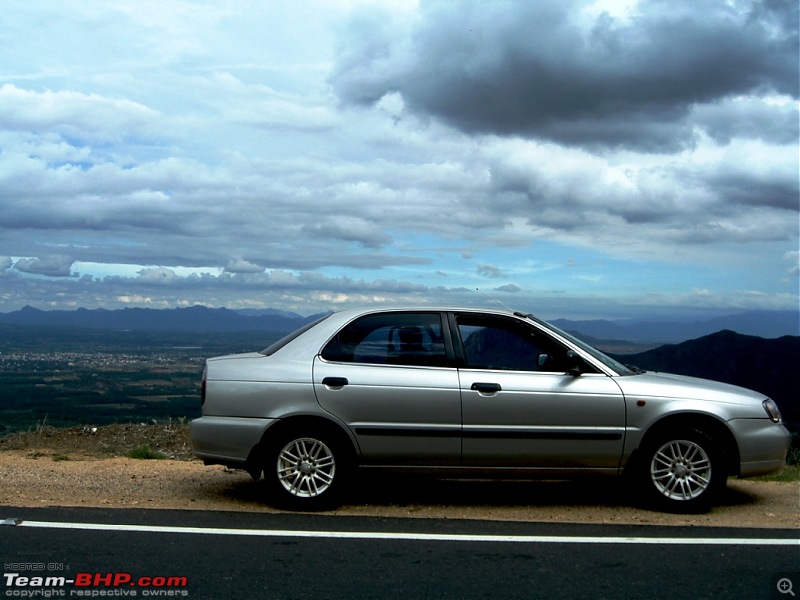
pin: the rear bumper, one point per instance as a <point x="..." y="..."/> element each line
<point x="226" y="440"/>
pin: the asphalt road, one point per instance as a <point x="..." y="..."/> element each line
<point x="141" y="553"/>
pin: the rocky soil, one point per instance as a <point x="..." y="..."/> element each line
<point x="86" y="466"/>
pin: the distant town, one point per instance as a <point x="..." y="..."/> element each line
<point x="64" y="377"/>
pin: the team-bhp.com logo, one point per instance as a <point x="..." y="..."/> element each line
<point x="94" y="585"/>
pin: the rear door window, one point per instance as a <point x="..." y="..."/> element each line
<point x="391" y="339"/>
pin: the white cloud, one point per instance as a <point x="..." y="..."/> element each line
<point x="74" y="114"/>
<point x="158" y="276"/>
<point x="490" y="271"/>
<point x="239" y="265"/>
<point x="51" y="266"/>
<point x="794" y="258"/>
<point x="303" y="153"/>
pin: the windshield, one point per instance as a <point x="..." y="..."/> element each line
<point x="617" y="366"/>
<point x="273" y="348"/>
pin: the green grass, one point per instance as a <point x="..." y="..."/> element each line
<point x="788" y="473"/>
<point x="791" y="472"/>
<point x="144" y="452"/>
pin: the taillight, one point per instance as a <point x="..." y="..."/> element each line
<point x="203" y="389"/>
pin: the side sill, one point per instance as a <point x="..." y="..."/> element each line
<point x="496" y="472"/>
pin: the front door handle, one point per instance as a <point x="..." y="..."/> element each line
<point x="335" y="381"/>
<point x="486" y="388"/>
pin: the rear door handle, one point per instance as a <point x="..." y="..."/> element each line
<point x="335" y="381"/>
<point x="486" y="388"/>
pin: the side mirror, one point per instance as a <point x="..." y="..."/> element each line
<point x="574" y="363"/>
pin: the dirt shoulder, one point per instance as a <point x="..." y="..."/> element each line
<point x="84" y="467"/>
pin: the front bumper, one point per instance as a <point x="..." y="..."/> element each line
<point x="763" y="446"/>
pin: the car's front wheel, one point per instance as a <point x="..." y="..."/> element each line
<point x="682" y="471"/>
<point x="305" y="470"/>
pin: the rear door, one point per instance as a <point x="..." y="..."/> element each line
<point x="390" y="377"/>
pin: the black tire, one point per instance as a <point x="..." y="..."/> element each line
<point x="682" y="471"/>
<point x="307" y="469"/>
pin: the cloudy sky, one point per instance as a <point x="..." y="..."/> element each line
<point x="578" y="159"/>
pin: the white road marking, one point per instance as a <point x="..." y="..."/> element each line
<point x="423" y="537"/>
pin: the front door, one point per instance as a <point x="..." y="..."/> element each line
<point x="521" y="409"/>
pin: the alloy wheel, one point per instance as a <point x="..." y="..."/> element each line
<point x="306" y="467"/>
<point x="681" y="470"/>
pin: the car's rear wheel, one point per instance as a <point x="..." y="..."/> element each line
<point x="305" y="470"/>
<point x="682" y="471"/>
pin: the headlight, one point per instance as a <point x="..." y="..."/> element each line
<point x="772" y="410"/>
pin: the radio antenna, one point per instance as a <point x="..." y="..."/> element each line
<point x="494" y="300"/>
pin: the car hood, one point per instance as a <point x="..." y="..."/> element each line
<point x="667" y="385"/>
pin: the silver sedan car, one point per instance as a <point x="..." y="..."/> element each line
<point x="468" y="392"/>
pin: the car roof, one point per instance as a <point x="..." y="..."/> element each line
<point x="427" y="308"/>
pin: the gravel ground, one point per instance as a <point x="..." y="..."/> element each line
<point x="88" y="467"/>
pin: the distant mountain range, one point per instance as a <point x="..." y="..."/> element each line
<point x="624" y="337"/>
<point x="195" y="318"/>
<point x="766" y="324"/>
